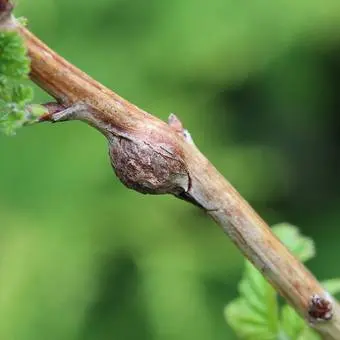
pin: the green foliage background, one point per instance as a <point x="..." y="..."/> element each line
<point x="255" y="82"/>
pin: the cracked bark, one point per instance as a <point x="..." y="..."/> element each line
<point x="153" y="157"/>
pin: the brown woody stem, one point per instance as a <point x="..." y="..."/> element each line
<point x="151" y="156"/>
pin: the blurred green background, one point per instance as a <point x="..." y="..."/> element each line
<point x="255" y="82"/>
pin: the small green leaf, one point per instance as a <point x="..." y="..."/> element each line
<point x="255" y="314"/>
<point x="14" y="62"/>
<point x="22" y="21"/>
<point x="36" y="110"/>
<point x="292" y="325"/>
<point x="301" y="246"/>
<point x="247" y="324"/>
<point x="14" y="95"/>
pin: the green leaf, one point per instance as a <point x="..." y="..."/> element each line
<point x="301" y="246"/>
<point x="14" y="62"/>
<point x="14" y="95"/>
<point x="22" y="21"/>
<point x="247" y="324"/>
<point x="292" y="325"/>
<point x="255" y="314"/>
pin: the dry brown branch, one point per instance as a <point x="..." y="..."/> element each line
<point x="153" y="157"/>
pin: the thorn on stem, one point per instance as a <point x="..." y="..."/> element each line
<point x="57" y="112"/>
<point x="52" y="108"/>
